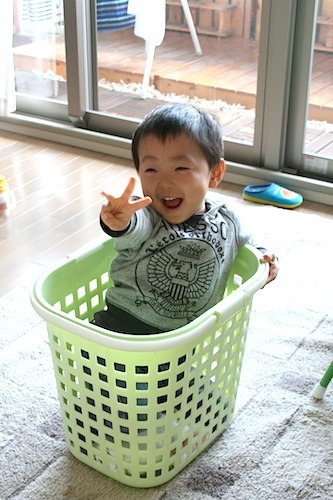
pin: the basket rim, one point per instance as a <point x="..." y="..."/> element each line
<point x="222" y="311"/>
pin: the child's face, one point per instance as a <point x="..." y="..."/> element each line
<point x="176" y="175"/>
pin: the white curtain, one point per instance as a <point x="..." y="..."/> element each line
<point x="7" y="82"/>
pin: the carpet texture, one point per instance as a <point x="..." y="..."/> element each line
<point x="279" y="444"/>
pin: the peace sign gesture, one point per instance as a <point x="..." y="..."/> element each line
<point x="117" y="212"/>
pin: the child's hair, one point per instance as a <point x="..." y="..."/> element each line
<point x="175" y="119"/>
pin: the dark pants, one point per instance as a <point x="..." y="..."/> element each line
<point x="120" y="321"/>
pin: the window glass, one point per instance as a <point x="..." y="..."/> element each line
<point x="39" y="49"/>
<point x="319" y="127"/>
<point x="177" y="50"/>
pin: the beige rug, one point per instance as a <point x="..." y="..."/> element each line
<point x="279" y="444"/>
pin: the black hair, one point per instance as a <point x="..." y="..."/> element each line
<point x="175" y="119"/>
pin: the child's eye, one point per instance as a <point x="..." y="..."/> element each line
<point x="181" y="168"/>
<point x="150" y="169"/>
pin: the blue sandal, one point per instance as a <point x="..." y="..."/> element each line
<point x="272" y="194"/>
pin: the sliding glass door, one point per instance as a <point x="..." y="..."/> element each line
<point x="39" y="55"/>
<point x="265" y="67"/>
<point x="144" y="53"/>
<point x="310" y="142"/>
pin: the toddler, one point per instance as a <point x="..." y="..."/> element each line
<point x="176" y="244"/>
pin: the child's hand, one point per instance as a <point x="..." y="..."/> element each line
<point x="273" y="266"/>
<point x="117" y="213"/>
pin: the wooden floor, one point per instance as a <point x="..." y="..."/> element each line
<point x="227" y="70"/>
<point x="57" y="189"/>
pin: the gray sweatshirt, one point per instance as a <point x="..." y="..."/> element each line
<point x="168" y="274"/>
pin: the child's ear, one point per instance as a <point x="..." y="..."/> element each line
<point x="217" y="173"/>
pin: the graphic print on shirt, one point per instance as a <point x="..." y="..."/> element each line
<point x="181" y="276"/>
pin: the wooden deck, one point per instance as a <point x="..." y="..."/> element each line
<point x="226" y="71"/>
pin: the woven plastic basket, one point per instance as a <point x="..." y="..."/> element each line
<point x="140" y="408"/>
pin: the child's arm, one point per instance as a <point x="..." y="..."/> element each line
<point x="273" y="262"/>
<point x="117" y="212"/>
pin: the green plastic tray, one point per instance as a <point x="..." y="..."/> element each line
<point x="140" y="408"/>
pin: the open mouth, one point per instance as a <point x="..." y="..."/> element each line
<point x="172" y="202"/>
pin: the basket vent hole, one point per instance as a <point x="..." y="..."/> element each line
<point x="216" y="350"/>
<point x="69" y="347"/>
<point x="113" y="467"/>
<point x="106" y="408"/>
<point x="103" y="377"/>
<point x="181" y="360"/>
<point x="86" y="370"/>
<point x="105" y="278"/>
<point x="81" y="292"/>
<point x="141" y="386"/>
<point x="142" y="401"/>
<point x="94" y="301"/>
<point x="142" y="417"/>
<point x="69" y="300"/>
<point x="83" y="309"/>
<point x="121" y="383"/>
<point x="84" y="354"/>
<point x="143" y="461"/>
<point x="107" y="423"/>
<point x="72" y="363"/>
<point x="122" y="399"/>
<point x="163" y="383"/>
<point x="164" y="367"/>
<point x="105" y="393"/>
<point x="101" y="361"/>
<point x="126" y="444"/>
<point x="143" y="446"/>
<point x="127" y="459"/>
<point x="93" y="285"/>
<point x="141" y="370"/>
<point x="179" y="392"/>
<point x="119" y="367"/>
<point x="238" y="280"/>
<point x="57" y="306"/>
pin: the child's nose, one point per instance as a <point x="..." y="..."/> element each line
<point x="167" y="179"/>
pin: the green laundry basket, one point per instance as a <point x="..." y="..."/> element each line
<point x="140" y="408"/>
